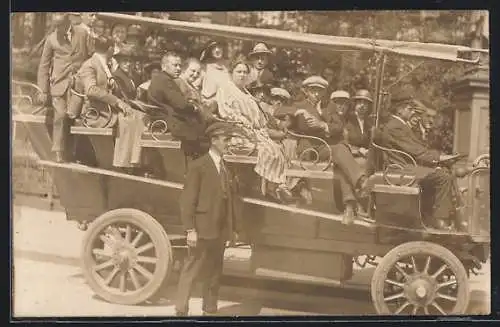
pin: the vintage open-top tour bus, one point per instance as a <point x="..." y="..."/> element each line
<point x="135" y="235"/>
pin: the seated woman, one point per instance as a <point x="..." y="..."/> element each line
<point x="235" y="103"/>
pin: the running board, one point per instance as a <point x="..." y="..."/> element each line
<point x="284" y="275"/>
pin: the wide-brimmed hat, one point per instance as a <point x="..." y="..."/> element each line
<point x="208" y="47"/>
<point x="315" y="81"/>
<point x="363" y="95"/>
<point x="128" y="50"/>
<point x="260" y="48"/>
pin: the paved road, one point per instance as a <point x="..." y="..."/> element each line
<point x="48" y="282"/>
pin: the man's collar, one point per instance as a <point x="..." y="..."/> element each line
<point x="216" y="157"/>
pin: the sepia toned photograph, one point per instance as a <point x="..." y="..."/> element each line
<point x="258" y="163"/>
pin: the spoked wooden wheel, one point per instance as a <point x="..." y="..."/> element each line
<point x="418" y="278"/>
<point x="126" y="256"/>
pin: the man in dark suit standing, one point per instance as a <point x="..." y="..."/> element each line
<point x="63" y="53"/>
<point x="183" y="116"/>
<point x="207" y="216"/>
<point x="436" y="183"/>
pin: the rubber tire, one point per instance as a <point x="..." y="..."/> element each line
<point x="406" y="249"/>
<point x="162" y="246"/>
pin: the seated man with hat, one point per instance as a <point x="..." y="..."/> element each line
<point x="123" y="73"/>
<point x="436" y="183"/>
<point x="359" y="122"/>
<point x="325" y="123"/>
<point x="259" y="73"/>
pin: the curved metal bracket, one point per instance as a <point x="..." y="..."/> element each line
<point x="313" y="150"/>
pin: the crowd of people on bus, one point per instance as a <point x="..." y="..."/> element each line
<point x="83" y="68"/>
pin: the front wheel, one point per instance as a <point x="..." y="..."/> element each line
<point x="418" y="278"/>
<point x="126" y="256"/>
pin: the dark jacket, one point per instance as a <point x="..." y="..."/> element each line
<point x="355" y="136"/>
<point x="61" y="58"/>
<point x="206" y="202"/>
<point x="182" y="120"/>
<point x="126" y="85"/>
<point x="397" y="135"/>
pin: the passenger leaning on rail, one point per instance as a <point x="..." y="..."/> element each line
<point x="64" y="51"/>
<point x="325" y="123"/>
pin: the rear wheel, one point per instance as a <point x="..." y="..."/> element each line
<point x="418" y="278"/>
<point x="126" y="256"/>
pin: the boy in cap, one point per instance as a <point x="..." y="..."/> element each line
<point x="207" y="215"/>
<point x="325" y="123"/>
<point x="436" y="183"/>
<point x="341" y="99"/>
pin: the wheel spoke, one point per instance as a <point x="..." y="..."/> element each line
<point x="427" y="265"/>
<point x="116" y="233"/>
<point x="446" y="297"/>
<point x="447" y="283"/>
<point x="394" y="297"/>
<point x="142" y="258"/>
<point x="426" y="310"/>
<point x="414" y="264"/>
<point x="137" y="238"/>
<point x="144" y="272"/>
<point x="122" y="282"/>
<point x="104" y="265"/>
<point x="415" y="310"/>
<point x="392" y="282"/>
<point x="111" y="276"/>
<point x="439" y="271"/>
<point x="401" y="271"/>
<point x="128" y="234"/>
<point x="102" y="253"/>
<point x="133" y="276"/>
<point x="401" y="308"/>
<point x="145" y="247"/>
<point x="438" y="307"/>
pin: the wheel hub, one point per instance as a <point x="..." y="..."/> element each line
<point x="124" y="257"/>
<point x="420" y="290"/>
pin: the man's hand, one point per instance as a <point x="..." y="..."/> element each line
<point x="192" y="238"/>
<point x="313" y="122"/>
<point x="363" y="151"/>
<point x="124" y="107"/>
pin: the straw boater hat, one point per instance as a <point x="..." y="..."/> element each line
<point x="259" y="48"/>
<point x="340" y="94"/>
<point x="315" y="81"/>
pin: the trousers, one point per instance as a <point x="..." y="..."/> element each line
<point x="60" y="122"/>
<point x="204" y="263"/>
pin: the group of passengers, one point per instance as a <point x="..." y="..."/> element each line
<point x="198" y="91"/>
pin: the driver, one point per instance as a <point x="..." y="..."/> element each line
<point x="436" y="183"/>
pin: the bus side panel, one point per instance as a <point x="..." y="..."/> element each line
<point x="80" y="193"/>
<point x="161" y="202"/>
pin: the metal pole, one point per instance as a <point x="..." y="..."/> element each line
<point x="379" y="87"/>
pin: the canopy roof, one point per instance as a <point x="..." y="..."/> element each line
<point x="312" y="41"/>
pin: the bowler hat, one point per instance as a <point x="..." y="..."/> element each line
<point x="259" y="48"/>
<point x="363" y="95"/>
<point x="315" y="81"/>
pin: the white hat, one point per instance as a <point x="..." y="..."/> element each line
<point x="259" y="48"/>
<point x="279" y="92"/>
<point x="317" y="81"/>
<point x="340" y="94"/>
